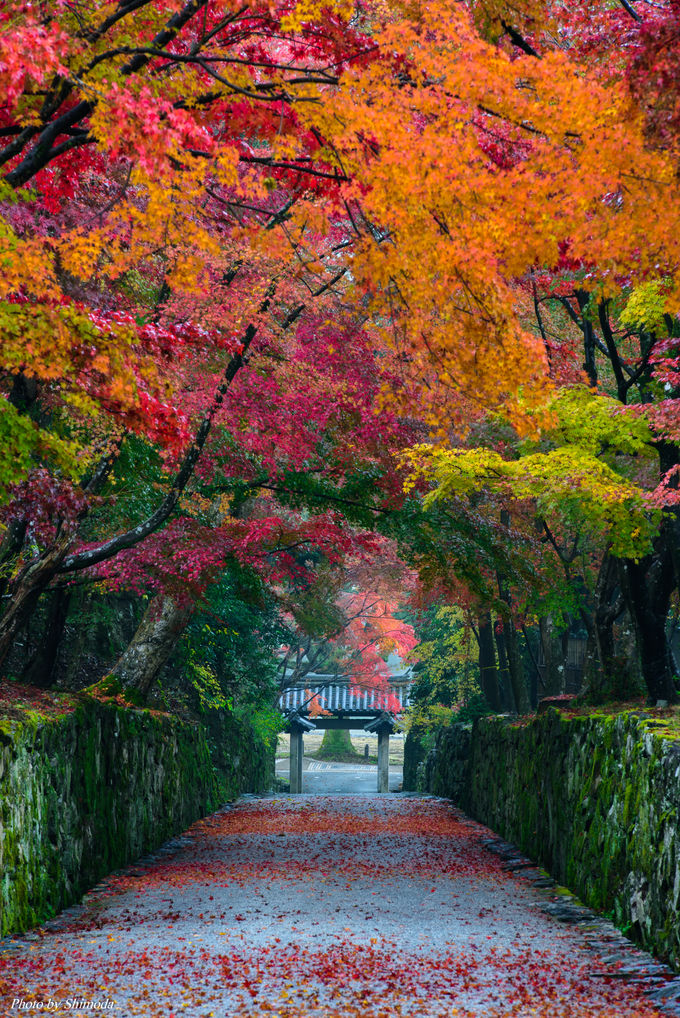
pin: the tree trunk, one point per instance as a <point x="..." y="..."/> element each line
<point x="40" y="669"/>
<point x="27" y="588"/>
<point x="552" y="656"/>
<point x="504" y="680"/>
<point x="647" y="588"/>
<point x="535" y="677"/>
<point x="162" y="625"/>
<point x="488" y="673"/>
<point x="518" y="679"/>
<point x="608" y="608"/>
<point x="10" y="546"/>
<point x="336" y="744"/>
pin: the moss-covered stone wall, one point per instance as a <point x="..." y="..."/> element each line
<point x="596" y="800"/>
<point x="88" y="790"/>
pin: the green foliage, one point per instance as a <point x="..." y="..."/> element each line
<point x="353" y="495"/>
<point x="422" y="717"/>
<point x="580" y="482"/>
<point x="24" y="445"/>
<point x="457" y="538"/>
<point x="646" y="307"/>
<point x="133" y="483"/>
<point x="228" y="648"/>
<point x="430" y="717"/>
<point x="475" y="707"/>
<point x="206" y="684"/>
<point x="445" y="668"/>
<point x="265" y="722"/>
<point x="597" y="424"/>
<point x="315" y="609"/>
<point x="145" y="290"/>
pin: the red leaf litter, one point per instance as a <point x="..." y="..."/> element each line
<point x="319" y="907"/>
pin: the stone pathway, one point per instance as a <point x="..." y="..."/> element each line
<point x="332" y="907"/>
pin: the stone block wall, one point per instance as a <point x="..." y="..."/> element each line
<point x="595" y="799"/>
<point x="86" y="792"/>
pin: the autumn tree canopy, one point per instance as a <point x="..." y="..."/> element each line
<point x="280" y="279"/>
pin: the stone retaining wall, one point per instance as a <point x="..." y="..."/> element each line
<point x="86" y="792"/>
<point x="595" y="800"/>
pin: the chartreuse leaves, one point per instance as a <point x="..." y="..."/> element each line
<point x="445" y="658"/>
<point x="87" y="364"/>
<point x="23" y="444"/>
<point x="581" y="481"/>
<point x="646" y="308"/>
<point x="50" y="342"/>
<point x="597" y="424"/>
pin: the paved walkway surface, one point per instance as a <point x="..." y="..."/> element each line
<point x="328" y="907"/>
<point x="320" y="777"/>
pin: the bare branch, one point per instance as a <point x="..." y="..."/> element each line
<point x="630" y="9"/>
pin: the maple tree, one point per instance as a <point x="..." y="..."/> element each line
<point x="330" y="431"/>
<point x="189" y="187"/>
<point x="539" y="144"/>
<point x="554" y="188"/>
<point x="343" y="634"/>
<point x="133" y="262"/>
<point x="445" y="667"/>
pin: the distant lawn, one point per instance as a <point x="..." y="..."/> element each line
<point x="313" y="740"/>
<point x="354" y="758"/>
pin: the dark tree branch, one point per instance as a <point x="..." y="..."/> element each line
<point x="121" y="12"/>
<point x="628" y="7"/>
<point x="322" y="497"/>
<point x="309" y="75"/>
<point x="534" y="662"/>
<point x="566" y="304"/>
<point x="295" y="165"/>
<point x="586" y="326"/>
<point x="44" y="149"/>
<point x="566" y="558"/>
<point x="518" y="40"/>
<point x="621" y="384"/>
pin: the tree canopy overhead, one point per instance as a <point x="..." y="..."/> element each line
<point x="279" y="278"/>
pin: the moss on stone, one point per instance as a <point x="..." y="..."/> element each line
<point x="85" y="792"/>
<point x="595" y="798"/>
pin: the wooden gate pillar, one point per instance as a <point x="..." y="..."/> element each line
<point x="384" y="760"/>
<point x="383" y="726"/>
<point x="297" y="726"/>
<point x="296" y="750"/>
